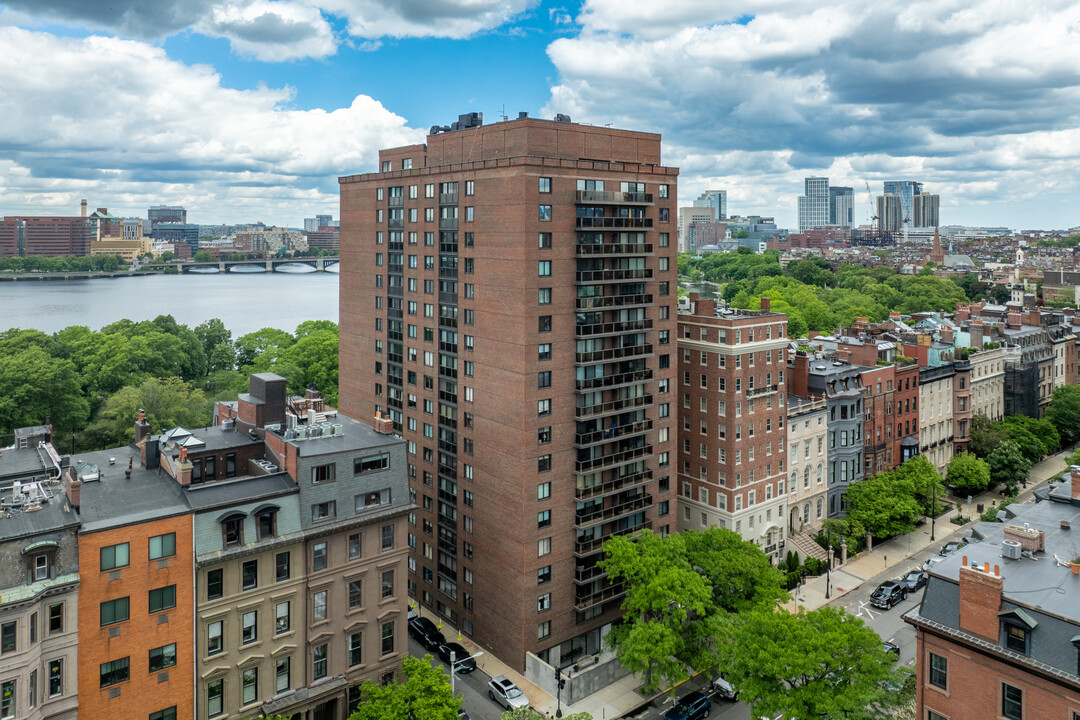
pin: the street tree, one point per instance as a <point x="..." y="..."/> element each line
<point x="1037" y="438"/>
<point x="527" y="713"/>
<point x="985" y="435"/>
<point x="923" y="476"/>
<point x="1064" y="412"/>
<point x="968" y="474"/>
<point x="741" y="576"/>
<point x="203" y="256"/>
<point x="425" y="695"/>
<point x="664" y="596"/>
<point x="1008" y="466"/>
<point x="824" y="663"/>
<point x="884" y="504"/>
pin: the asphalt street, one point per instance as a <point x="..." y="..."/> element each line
<point x="471" y="686"/>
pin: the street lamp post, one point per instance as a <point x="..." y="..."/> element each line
<point x="453" y="667"/>
<point x="933" y="508"/>
<point x="828" y="556"/>
<point x="560" y="683"/>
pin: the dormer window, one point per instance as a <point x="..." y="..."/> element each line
<point x="232" y="531"/>
<point x="1016" y="629"/>
<point x="266" y="522"/>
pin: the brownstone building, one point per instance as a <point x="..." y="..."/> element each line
<point x="54" y="236"/>
<point x="998" y="629"/>
<point x="732" y="438"/>
<point x="507" y="299"/>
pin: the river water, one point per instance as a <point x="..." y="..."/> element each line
<point x="245" y="302"/>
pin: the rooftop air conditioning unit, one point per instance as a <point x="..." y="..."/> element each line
<point x="1011" y="549"/>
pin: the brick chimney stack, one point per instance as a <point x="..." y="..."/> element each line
<point x="1075" y="472"/>
<point x="705" y="307"/>
<point x="980" y="600"/>
<point x="766" y="303"/>
<point x="800" y="375"/>
<point x="1014" y="319"/>
<point x="72" y="487"/>
<point x="383" y="424"/>
<point x="142" y="427"/>
<point x="963" y="312"/>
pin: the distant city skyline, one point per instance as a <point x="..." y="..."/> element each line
<point x="249" y="110"/>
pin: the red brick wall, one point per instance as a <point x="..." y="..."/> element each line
<point x="980" y="601"/>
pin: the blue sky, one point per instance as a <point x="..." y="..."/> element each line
<point x="247" y="110"/>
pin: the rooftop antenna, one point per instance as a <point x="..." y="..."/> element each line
<point x="503" y="112"/>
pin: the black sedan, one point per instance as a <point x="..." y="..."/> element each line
<point x="892" y="648"/>
<point x="952" y="546"/>
<point x="462" y="660"/>
<point x="424" y="632"/>
<point x="887" y="594"/>
<point x="914" y="580"/>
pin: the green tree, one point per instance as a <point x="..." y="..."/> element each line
<point x="268" y="341"/>
<point x="663" y="593"/>
<point x="1036" y="438"/>
<point x="315" y="354"/>
<point x="884" y="504"/>
<point x="425" y="695"/>
<point x="1064" y="412"/>
<point x="985" y="435"/>
<point x="741" y="576"/>
<point x="168" y="402"/>
<point x="203" y="256"/>
<point x="1008" y="466"/>
<point x="527" y="713"/>
<point x="968" y="474"/>
<point x="211" y="334"/>
<point x="824" y="663"/>
<point x="35" y="386"/>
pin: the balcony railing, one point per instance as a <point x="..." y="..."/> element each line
<point x="614" y="249"/>
<point x="583" y="548"/>
<point x="759" y="391"/>
<point x="583" y="603"/>
<point x="398" y="201"/>
<point x="592" y="517"/>
<point x="614" y="354"/>
<point x="448" y="198"/>
<point x="613" y="223"/>
<point x="613" y="406"/>
<point x="614" y="328"/>
<point x="587" y="575"/>
<point x="612" y="486"/>
<point x="610" y="197"/>
<point x="609" y="381"/>
<point x="609" y="301"/>
<point x="593" y="276"/>
<point x="395" y="223"/>
<point x="615" y="458"/>
<point x="447" y="223"/>
<point x="608" y="434"/>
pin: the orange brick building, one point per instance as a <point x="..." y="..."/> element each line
<point x="136" y="607"/>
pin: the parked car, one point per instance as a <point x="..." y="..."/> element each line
<point x="914" y="580"/>
<point x="424" y="632"/>
<point x="723" y="689"/>
<point x="931" y="562"/>
<point x="952" y="546"/>
<point x="502" y="690"/>
<point x="887" y="594"/>
<point x="693" y="706"/>
<point x="892" y="648"/>
<point x="464" y="663"/>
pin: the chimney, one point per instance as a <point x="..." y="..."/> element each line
<point x="72" y="487"/>
<point x="1028" y="537"/>
<point x="1075" y="482"/>
<point x="705" y="308"/>
<point x="980" y="600"/>
<point x="383" y="425"/>
<point x="1013" y="320"/>
<point x="84" y="207"/>
<point x="800" y="375"/>
<point x="765" y="304"/>
<point x="142" y="427"/>
<point x="1033" y="317"/>
<point x="963" y="312"/>
<point x="947" y="335"/>
<point x="893" y="315"/>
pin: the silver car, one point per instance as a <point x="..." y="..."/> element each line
<point x="502" y="690"/>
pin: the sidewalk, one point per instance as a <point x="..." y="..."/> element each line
<point x="900" y="550"/>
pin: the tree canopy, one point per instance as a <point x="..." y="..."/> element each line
<point x="679" y="590"/>
<point x="824" y="663"/>
<point x="1064" y="412"/>
<point x="1008" y="466"/>
<point x="424" y="695"/>
<point x="968" y="474"/>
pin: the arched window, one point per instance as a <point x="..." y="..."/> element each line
<point x="806" y="513"/>
<point x="266" y="522"/>
<point x="806" y="477"/>
<point x="820" y="470"/>
<point x="819" y="508"/>
<point x="232" y="530"/>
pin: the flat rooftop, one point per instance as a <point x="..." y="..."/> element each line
<point x="357" y="436"/>
<point x="1037" y="582"/>
<point x="221" y="493"/>
<point x="115" y="500"/>
<point x="54" y="514"/>
<point x="24" y="463"/>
